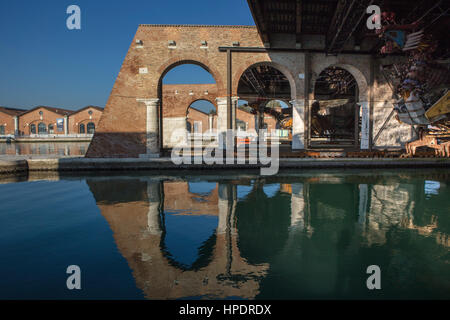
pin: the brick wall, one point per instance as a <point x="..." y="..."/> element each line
<point x="178" y="97"/>
<point x="200" y="117"/>
<point x="122" y="128"/>
<point x="33" y="117"/>
<point x="82" y="117"/>
<point x="7" y="121"/>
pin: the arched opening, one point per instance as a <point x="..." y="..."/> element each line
<point x="2" y="130"/>
<point x="264" y="92"/>
<point x="201" y="116"/>
<point x="202" y="188"/>
<point x="42" y="128"/>
<point x="186" y="91"/>
<point x="82" y="128"/>
<point x="51" y="129"/>
<point x="33" y="129"/>
<point x="90" y="128"/>
<point x="334" y="114"/>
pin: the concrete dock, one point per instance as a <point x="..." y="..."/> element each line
<point x="20" y="165"/>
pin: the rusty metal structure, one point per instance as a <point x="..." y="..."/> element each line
<point x="416" y="29"/>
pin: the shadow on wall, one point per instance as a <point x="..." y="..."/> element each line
<point x="117" y="145"/>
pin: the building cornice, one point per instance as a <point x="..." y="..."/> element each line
<point x="196" y="26"/>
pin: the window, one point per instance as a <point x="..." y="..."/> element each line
<point x="42" y="128"/>
<point x="51" y="129"/>
<point x="2" y="130"/>
<point x="33" y="129"/>
<point x="82" y="129"/>
<point x="90" y="128"/>
<point x="241" y="125"/>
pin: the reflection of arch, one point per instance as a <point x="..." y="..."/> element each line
<point x="355" y="72"/>
<point x="284" y="70"/>
<point x="204" y="255"/>
<point x="225" y="273"/>
<point x="206" y="187"/>
<point x="271" y="190"/>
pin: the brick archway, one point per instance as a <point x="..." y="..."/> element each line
<point x="360" y="136"/>
<point x="178" y="61"/>
<point x="210" y="100"/>
<point x="360" y="79"/>
<point x="284" y="70"/>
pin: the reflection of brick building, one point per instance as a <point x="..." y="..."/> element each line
<point x="44" y="120"/>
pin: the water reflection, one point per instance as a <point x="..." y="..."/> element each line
<point x="139" y="220"/>
<point x="293" y="236"/>
<point x="44" y="148"/>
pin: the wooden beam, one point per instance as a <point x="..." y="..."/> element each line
<point x="259" y="18"/>
<point x="298" y="21"/>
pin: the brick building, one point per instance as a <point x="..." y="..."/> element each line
<point x="199" y="121"/>
<point x="43" y="120"/>
<point x="131" y="125"/>
<point x="84" y="121"/>
<point x="9" y="120"/>
<point x="287" y="56"/>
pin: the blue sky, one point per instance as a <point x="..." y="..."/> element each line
<point x="44" y="63"/>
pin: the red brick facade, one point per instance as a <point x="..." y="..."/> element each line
<point x="122" y="128"/>
<point x="84" y="120"/>
<point x="7" y="115"/>
<point x="178" y="97"/>
<point x="132" y="124"/>
<point x="197" y="118"/>
<point x="44" y="120"/>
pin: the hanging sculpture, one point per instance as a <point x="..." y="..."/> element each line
<point x="420" y="84"/>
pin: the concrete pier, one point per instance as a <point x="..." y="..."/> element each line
<point x="21" y="165"/>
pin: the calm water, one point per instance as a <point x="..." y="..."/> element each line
<point x="44" y="148"/>
<point x="174" y="236"/>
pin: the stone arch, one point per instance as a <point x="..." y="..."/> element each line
<point x="363" y="87"/>
<point x="178" y="61"/>
<point x="362" y="100"/>
<point x="209" y="99"/>
<point x="179" y="123"/>
<point x="206" y="122"/>
<point x="283" y="69"/>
